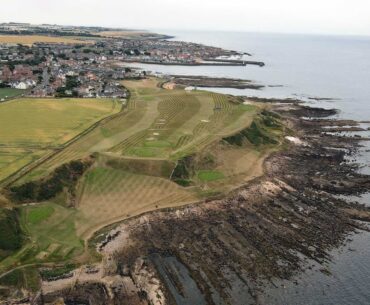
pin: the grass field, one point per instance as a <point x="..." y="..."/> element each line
<point x="6" y="93"/>
<point x="30" y="128"/>
<point x="31" y="39"/>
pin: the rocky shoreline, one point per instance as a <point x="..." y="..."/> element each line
<point x="213" y="82"/>
<point x="223" y="251"/>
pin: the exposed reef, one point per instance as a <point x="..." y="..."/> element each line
<point x="213" y="82"/>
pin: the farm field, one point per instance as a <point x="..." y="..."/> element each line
<point x="30" y="128"/>
<point x="31" y="39"/>
<point x="6" y="93"/>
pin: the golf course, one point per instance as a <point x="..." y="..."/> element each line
<point x="157" y="149"/>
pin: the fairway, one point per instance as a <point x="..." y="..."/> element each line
<point x="31" y="39"/>
<point x="185" y="122"/>
<point x="110" y="195"/>
<point x="30" y="128"/>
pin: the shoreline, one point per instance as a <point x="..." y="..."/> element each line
<point x="210" y="82"/>
<point x="220" y="63"/>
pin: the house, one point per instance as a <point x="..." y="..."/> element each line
<point x="20" y="85"/>
<point x="23" y="85"/>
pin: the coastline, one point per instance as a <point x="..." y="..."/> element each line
<point x="278" y="221"/>
<point x="316" y="139"/>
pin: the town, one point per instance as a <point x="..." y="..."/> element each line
<point x="94" y="66"/>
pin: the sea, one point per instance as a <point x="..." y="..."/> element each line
<point x="324" y="71"/>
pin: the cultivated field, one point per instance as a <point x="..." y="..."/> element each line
<point x="31" y="39"/>
<point x="30" y="128"/>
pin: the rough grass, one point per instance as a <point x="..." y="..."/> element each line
<point x="22" y="278"/>
<point x="11" y="237"/>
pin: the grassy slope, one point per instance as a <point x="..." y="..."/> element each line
<point x="29" y="128"/>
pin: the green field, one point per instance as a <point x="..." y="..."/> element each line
<point x="6" y="93"/>
<point x="31" y="128"/>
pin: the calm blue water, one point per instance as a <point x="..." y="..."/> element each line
<point x="306" y="66"/>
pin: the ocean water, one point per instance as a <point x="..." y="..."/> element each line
<point x="305" y="67"/>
